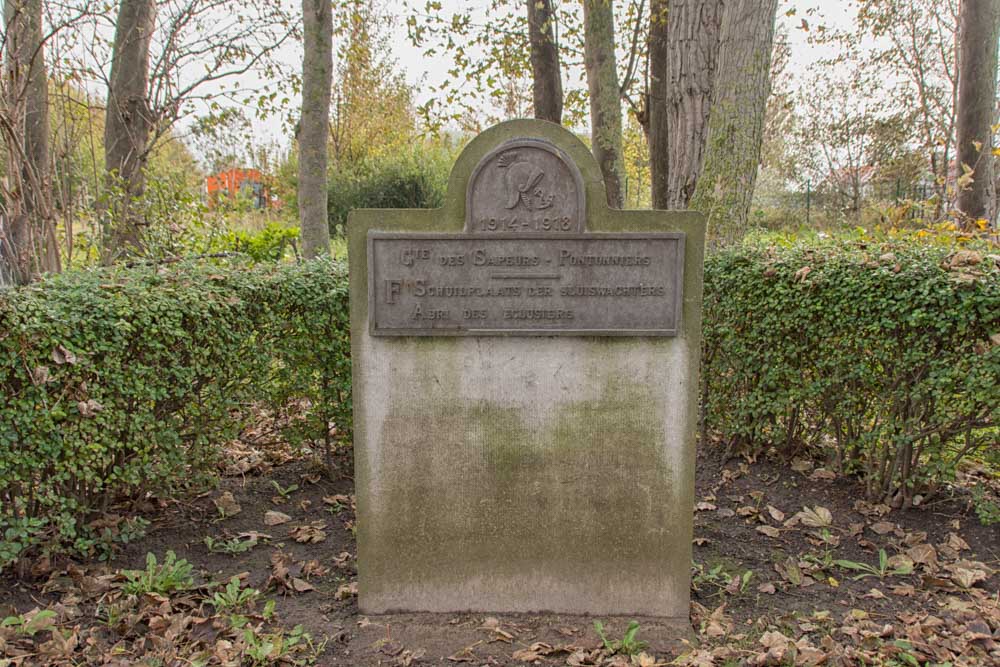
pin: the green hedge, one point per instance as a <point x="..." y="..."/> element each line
<point x="884" y="358"/>
<point x="115" y="384"/>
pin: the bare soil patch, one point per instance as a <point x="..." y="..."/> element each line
<point x="787" y="571"/>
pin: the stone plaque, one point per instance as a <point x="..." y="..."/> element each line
<point x="477" y="285"/>
<point x="525" y="385"/>
<point x="525" y="186"/>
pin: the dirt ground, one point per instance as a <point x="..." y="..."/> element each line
<point x="786" y="571"/>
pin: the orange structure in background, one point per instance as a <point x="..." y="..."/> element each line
<point x="248" y="183"/>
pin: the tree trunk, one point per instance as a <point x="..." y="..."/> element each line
<point x="546" y="79"/>
<point x="128" y="125"/>
<point x="605" y="96"/>
<point x="683" y="52"/>
<point x="736" y="121"/>
<point x="977" y="87"/>
<point x="28" y="244"/>
<point x="317" y="78"/>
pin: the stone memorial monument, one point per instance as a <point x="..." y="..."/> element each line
<point x="525" y="390"/>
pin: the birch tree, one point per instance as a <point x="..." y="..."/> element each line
<point x="605" y="95"/>
<point x="546" y="75"/>
<point x="27" y="234"/>
<point x="980" y="30"/>
<point x="683" y="52"/>
<point x="129" y="120"/>
<point x="736" y="120"/>
<point x="920" y="51"/>
<point x="313" y="131"/>
<point x="167" y="58"/>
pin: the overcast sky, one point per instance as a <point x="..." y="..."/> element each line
<point x="425" y="73"/>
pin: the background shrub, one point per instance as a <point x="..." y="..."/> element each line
<point x="267" y="244"/>
<point x="885" y="358"/>
<point x="119" y="383"/>
<point x="417" y="179"/>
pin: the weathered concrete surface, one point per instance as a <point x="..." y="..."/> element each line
<point x="525" y="474"/>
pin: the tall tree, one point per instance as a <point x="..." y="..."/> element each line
<point x="129" y="122"/>
<point x="914" y="59"/>
<point x="546" y="77"/>
<point x="977" y="88"/>
<point x="313" y="131"/>
<point x="168" y="59"/>
<point x="736" y="121"/>
<point x="605" y="95"/>
<point x="27" y="235"/>
<point x="371" y="105"/>
<point x="683" y="52"/>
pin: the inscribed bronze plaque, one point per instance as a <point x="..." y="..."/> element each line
<point x="506" y="284"/>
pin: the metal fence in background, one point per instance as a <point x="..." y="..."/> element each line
<point x="808" y="203"/>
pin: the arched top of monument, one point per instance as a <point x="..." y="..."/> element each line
<point x="525" y="176"/>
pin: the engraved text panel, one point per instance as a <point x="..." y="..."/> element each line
<point x="582" y="284"/>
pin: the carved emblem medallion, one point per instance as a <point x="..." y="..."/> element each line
<point x="525" y="186"/>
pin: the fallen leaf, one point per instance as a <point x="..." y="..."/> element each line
<point x="767" y="589"/>
<point x="777" y="646"/>
<point x="492" y="624"/>
<point x="775" y="513"/>
<point x="61" y="356"/>
<point x="274" y="518"/>
<point x="253" y="535"/>
<point x="868" y="509"/>
<point x="965" y="258"/>
<point x="822" y="474"/>
<point x="802" y="465"/>
<point x="957" y="543"/>
<point x="89" y="408"/>
<point x="40" y="375"/>
<point x="408" y="657"/>
<point x="900" y="563"/>
<point x="882" y="527"/>
<point x="534" y="652"/>
<point x="817" y="517"/>
<point x="311" y="534"/>
<point x="903" y="590"/>
<point x="465" y="655"/>
<point x="770" y="531"/>
<point x="790" y="571"/>
<point x="965" y="576"/>
<point x="312" y="568"/>
<point x="718" y="624"/>
<point x="699" y="658"/>
<point x="345" y="591"/>
<point x="227" y="505"/>
<point x="303" y="586"/>
<point x="924" y="554"/>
